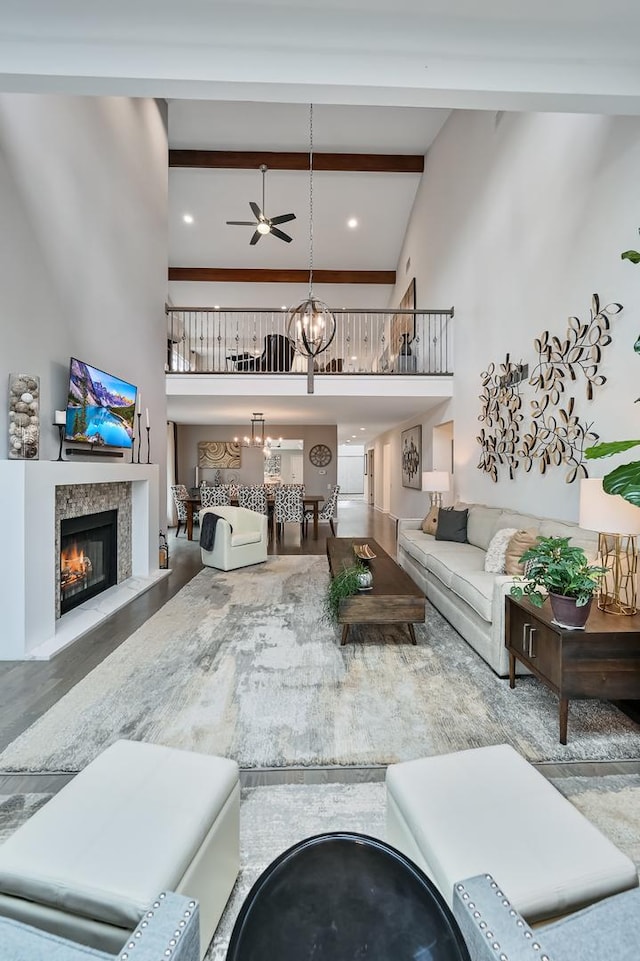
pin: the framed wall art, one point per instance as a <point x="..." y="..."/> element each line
<point x="218" y="454"/>
<point x="411" y="454"/>
<point x="403" y="326"/>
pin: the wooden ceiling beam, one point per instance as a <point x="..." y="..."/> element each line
<point x="251" y="275"/>
<point x="297" y="160"/>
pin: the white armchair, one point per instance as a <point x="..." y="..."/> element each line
<point x="241" y="538"/>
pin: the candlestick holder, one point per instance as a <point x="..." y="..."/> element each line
<point x="148" y="444"/>
<point x="61" y="428"/>
<point x="133" y="444"/>
<point x="139" y="416"/>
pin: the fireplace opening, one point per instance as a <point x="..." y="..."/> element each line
<point x="88" y="557"/>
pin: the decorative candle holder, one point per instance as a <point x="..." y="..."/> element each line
<point x="139" y="438"/>
<point x="148" y="445"/>
<point x="61" y="436"/>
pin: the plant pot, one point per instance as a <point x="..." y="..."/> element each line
<point x="365" y="580"/>
<point x="567" y="613"/>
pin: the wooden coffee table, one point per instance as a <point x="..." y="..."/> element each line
<point x="393" y="597"/>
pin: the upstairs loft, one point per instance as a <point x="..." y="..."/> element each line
<point x="384" y="343"/>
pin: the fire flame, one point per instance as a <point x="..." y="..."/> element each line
<point x="74" y="565"/>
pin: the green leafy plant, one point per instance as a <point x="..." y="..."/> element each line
<point x="553" y="566"/>
<point x="344" y="584"/>
<point x="623" y="480"/>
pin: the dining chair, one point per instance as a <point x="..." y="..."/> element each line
<point x="179" y="492"/>
<point x="288" y="507"/>
<point x="215" y="496"/>
<point x="341" y="896"/>
<point x="253" y="497"/>
<point x="327" y="512"/>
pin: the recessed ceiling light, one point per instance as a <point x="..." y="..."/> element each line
<point x="353" y="435"/>
<point x="216" y="306"/>
<point x="354" y="358"/>
<point x="363" y="428"/>
<point x="188" y="218"/>
<point x="284" y="307"/>
<point x="352" y="222"/>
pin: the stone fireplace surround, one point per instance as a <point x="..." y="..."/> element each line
<point x="29" y="564"/>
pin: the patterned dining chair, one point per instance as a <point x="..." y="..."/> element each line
<point x="254" y="497"/>
<point x="179" y="492"/>
<point x="215" y="496"/>
<point x="289" y="507"/>
<point x="327" y="512"/>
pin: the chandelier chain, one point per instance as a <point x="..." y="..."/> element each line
<point x="310" y="201"/>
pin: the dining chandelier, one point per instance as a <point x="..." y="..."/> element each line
<point x="257" y="438"/>
<point x="311" y="324"/>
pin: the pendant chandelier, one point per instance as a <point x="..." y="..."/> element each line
<point x="257" y="438"/>
<point x="311" y="325"/>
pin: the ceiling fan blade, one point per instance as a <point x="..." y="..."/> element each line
<point x="281" y="235"/>
<point x="258" y="213"/>
<point x="282" y="219"/>
<point x="256" y="237"/>
<point x="242" y="223"/>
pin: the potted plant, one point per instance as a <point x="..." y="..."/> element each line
<point x="348" y="581"/>
<point x="563" y="572"/>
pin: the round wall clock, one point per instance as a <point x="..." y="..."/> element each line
<point x="320" y="455"/>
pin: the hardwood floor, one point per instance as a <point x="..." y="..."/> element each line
<point x="29" y="688"/>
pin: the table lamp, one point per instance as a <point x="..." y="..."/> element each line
<point x="436" y="482"/>
<point x="617" y="523"/>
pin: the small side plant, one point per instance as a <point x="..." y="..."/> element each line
<point x="554" y="567"/>
<point x="344" y="584"/>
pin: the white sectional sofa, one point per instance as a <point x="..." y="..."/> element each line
<point x="452" y="575"/>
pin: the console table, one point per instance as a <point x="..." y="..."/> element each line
<point x="601" y="661"/>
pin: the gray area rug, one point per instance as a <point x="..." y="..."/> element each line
<point x="274" y="818"/>
<point x="242" y="664"/>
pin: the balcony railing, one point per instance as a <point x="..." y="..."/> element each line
<point x="237" y="340"/>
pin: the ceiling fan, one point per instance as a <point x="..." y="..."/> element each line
<point x="263" y="224"/>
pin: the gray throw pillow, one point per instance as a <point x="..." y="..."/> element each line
<point x="452" y="526"/>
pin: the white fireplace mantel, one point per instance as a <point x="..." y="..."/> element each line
<point x="28" y="561"/>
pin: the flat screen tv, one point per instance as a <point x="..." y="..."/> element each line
<point x="100" y="407"/>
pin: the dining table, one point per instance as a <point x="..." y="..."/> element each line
<point x="310" y="502"/>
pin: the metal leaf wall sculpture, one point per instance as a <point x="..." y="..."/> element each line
<point x="555" y="440"/>
<point x="556" y="435"/>
<point x="501" y="413"/>
<point x="560" y="361"/>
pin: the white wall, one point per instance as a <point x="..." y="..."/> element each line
<point x="83" y="233"/>
<point x="518" y="220"/>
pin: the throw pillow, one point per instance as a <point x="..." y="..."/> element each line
<point x="452" y="526"/>
<point x="519" y="543"/>
<point x="494" y="559"/>
<point x="430" y="523"/>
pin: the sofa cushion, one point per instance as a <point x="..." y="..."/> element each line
<point x="520" y="521"/>
<point x="587" y="540"/>
<point x="519" y="543"/>
<point x="476" y="588"/>
<point x="430" y="523"/>
<point x="482" y="525"/>
<point x="452" y="526"/>
<point x="444" y="565"/>
<point x="494" y="561"/>
<point x="247" y="537"/>
<point x="21" y="942"/>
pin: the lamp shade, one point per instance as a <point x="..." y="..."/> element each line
<point x="606" y="513"/>
<point x="435" y="480"/>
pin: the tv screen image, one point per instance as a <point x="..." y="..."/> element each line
<point x="100" y="407"/>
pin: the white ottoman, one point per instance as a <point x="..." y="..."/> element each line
<point x="489" y="810"/>
<point x="140" y="819"/>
